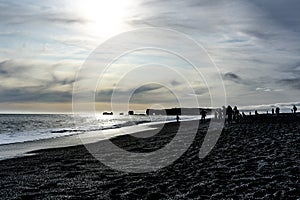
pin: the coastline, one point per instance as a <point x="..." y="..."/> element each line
<point x="13" y="150"/>
<point x="10" y="151"/>
<point x="250" y="160"/>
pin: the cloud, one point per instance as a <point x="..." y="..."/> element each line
<point x="254" y="43"/>
<point x="260" y="34"/>
<point x="292" y="82"/>
<point x="22" y="81"/>
<point x="3" y="70"/>
<point x="200" y="91"/>
<point x="175" y="83"/>
<point x="147" y="88"/>
<point x="105" y="95"/>
<point x="284" y="12"/>
<point x="66" y="19"/>
<point x="33" y="94"/>
<point x="10" y="68"/>
<point x="232" y="77"/>
<point x="23" y="12"/>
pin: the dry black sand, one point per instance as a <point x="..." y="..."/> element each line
<point x="250" y="161"/>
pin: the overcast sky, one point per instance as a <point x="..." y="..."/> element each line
<point x="255" y="44"/>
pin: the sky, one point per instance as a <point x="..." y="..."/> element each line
<point x="254" y="45"/>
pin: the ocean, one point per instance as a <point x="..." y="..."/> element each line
<point x="23" y="133"/>
<point x="16" y="128"/>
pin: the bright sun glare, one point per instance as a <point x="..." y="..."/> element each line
<point x="105" y="17"/>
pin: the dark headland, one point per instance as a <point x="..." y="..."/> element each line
<point x="257" y="158"/>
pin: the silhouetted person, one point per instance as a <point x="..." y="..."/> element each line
<point x="277" y="110"/>
<point x="256" y="113"/>
<point x="244" y="115"/>
<point x="236" y="114"/>
<point x="177" y="117"/>
<point x="272" y="111"/>
<point x="203" y="115"/>
<point x="294" y="108"/>
<point x="229" y="113"/>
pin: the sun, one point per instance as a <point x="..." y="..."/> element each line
<point x="105" y="18"/>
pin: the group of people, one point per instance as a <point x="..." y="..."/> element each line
<point x="277" y="110"/>
<point x="233" y="114"/>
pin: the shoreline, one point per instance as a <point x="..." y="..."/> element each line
<point x="20" y="149"/>
<point x="15" y="150"/>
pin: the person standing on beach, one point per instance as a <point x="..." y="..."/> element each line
<point x="229" y="114"/>
<point x="203" y="115"/>
<point x="236" y="114"/>
<point x="177" y="117"/>
<point x="272" y="111"/>
<point x="277" y="110"/>
<point x="294" y="108"/>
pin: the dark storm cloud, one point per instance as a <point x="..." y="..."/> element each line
<point x="294" y="83"/>
<point x="293" y="68"/>
<point x="3" y="70"/>
<point x="284" y="12"/>
<point x="293" y="79"/>
<point x="200" y="91"/>
<point x="15" y="76"/>
<point x="232" y="77"/>
<point x="26" y="72"/>
<point x="9" y="68"/>
<point x="33" y="94"/>
<point x="147" y="88"/>
<point x="59" y="81"/>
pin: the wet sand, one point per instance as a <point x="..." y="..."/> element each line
<point x="250" y="161"/>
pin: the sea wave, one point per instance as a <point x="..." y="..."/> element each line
<point x="26" y="128"/>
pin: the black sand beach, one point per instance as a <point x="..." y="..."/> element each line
<point x="250" y="161"/>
